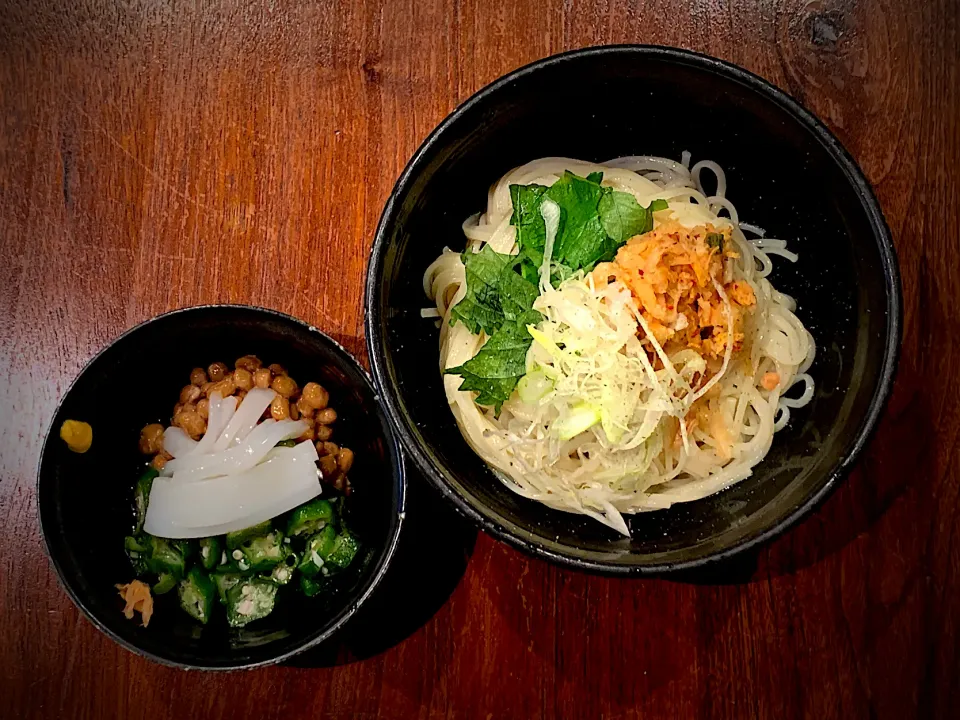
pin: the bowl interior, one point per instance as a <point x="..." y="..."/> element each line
<point x="783" y="174"/>
<point x="86" y="500"/>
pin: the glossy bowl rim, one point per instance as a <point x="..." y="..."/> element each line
<point x="495" y="524"/>
<point x="394" y="450"/>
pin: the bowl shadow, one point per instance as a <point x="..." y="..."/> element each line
<point x="432" y="555"/>
<point x="899" y="459"/>
<point x="666" y="615"/>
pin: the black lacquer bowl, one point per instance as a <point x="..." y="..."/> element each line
<point x="85" y="501"/>
<point x="786" y="173"/>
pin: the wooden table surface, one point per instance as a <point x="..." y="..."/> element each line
<point x="156" y="154"/>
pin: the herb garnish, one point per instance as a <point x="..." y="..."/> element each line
<point x="594" y="223"/>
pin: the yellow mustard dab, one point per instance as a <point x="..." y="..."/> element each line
<point x="77" y="435"/>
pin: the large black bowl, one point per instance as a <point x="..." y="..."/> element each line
<point x="785" y="173"/>
<point x="85" y="501"/>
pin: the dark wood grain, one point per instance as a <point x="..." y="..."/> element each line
<point x="156" y="154"/>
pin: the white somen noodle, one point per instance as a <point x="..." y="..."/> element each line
<point x="637" y="452"/>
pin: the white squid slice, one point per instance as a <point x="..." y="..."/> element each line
<point x="221" y="411"/>
<point x="239" y="458"/>
<point x="246" y="417"/>
<point x="215" y="506"/>
<point x="177" y="442"/>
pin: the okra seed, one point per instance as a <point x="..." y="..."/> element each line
<point x="237" y="555"/>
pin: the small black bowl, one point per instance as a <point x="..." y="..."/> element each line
<point x="85" y="501"/>
<point x="786" y="172"/>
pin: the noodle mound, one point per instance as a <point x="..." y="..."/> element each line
<point x="656" y="377"/>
